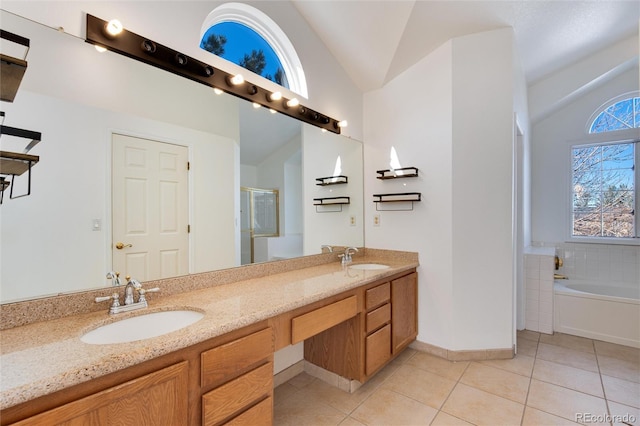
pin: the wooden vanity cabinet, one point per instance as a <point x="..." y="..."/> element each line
<point x="404" y="311"/>
<point x="154" y="399"/>
<point x="240" y="376"/>
<point x="385" y="324"/>
<point x="377" y="327"/>
<point x="227" y="379"/>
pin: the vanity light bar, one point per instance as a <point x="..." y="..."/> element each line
<point x="144" y="50"/>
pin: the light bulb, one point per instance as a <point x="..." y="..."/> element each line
<point x="217" y="91"/>
<point x="293" y="102"/>
<point x="256" y="105"/>
<point x="343" y="123"/>
<point x="237" y="79"/>
<point x="275" y="96"/>
<point x="114" y="27"/>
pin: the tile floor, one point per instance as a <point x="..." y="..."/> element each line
<point x="552" y="381"/>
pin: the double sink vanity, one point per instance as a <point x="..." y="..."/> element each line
<point x="203" y="351"/>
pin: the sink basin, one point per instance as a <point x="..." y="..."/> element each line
<point x="369" y="266"/>
<point x="141" y="327"/>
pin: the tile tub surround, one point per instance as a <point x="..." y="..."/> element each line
<point x="600" y="262"/>
<point x="539" y="268"/>
<point x="46" y="356"/>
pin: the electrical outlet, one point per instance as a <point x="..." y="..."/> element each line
<point x="352" y="220"/>
<point x="376" y="220"/>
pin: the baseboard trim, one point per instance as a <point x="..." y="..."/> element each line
<point x="465" y="355"/>
<point x="288" y="373"/>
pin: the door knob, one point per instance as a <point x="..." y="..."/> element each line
<point x="120" y="246"/>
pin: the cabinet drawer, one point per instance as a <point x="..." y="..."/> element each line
<point x="378" y="317"/>
<point x="230" y="359"/>
<point x="377" y="295"/>
<point x="258" y="415"/>
<point x="316" y="321"/>
<point x="232" y="397"/>
<point x="378" y="349"/>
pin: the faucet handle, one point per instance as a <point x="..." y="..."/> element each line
<point x="142" y="293"/>
<point x="114" y="297"/>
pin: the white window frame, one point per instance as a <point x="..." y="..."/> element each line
<point x="270" y="32"/>
<point x="599" y="139"/>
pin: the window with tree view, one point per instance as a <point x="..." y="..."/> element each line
<point x="243" y="46"/>
<point x="604" y="196"/>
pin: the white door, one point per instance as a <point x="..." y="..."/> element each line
<point x="149" y="208"/>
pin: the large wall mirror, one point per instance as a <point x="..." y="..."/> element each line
<point x="98" y="111"/>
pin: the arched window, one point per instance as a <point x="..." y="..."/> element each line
<point x="604" y="175"/>
<point x="623" y="114"/>
<point x="247" y="37"/>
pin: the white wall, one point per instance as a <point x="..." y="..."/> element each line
<point x="483" y="107"/>
<point x="320" y="151"/>
<point x="451" y="115"/>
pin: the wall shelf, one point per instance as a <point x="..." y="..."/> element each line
<point x="330" y="204"/>
<point x="405" y="172"/>
<point x="15" y="163"/>
<point x="397" y="198"/>
<point x="332" y="180"/>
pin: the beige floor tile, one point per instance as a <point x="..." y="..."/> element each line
<point x="423" y="386"/>
<point x="620" y="368"/>
<point x="520" y="364"/>
<point x="405" y="355"/>
<point x="568" y="341"/>
<point x="440" y="366"/>
<point x="496" y="381"/>
<point x="563" y="402"/>
<point x="482" y="408"/>
<point x="349" y="421"/>
<point x="282" y="392"/>
<point x="622" y="391"/>
<point x="300" y="409"/>
<point x="533" y="417"/>
<point x="568" y="377"/>
<point x="527" y="347"/>
<point x="529" y="335"/>
<point x="386" y="407"/>
<point x="568" y="356"/>
<point x="301" y="380"/>
<point x="612" y="350"/>
<point x="444" y="419"/>
<point x="344" y="401"/>
<point x="624" y="415"/>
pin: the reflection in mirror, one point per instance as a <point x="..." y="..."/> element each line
<point x="62" y="237"/>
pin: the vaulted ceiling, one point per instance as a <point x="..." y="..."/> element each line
<point x="377" y="40"/>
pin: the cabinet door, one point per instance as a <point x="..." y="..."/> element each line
<point x="378" y="349"/>
<point x="404" y="311"/>
<point x="159" y="398"/>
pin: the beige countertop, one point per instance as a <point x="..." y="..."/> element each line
<point x="44" y="357"/>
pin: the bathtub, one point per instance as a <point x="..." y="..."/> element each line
<point x="604" y="312"/>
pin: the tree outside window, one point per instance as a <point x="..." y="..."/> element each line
<point x="243" y="46"/>
<point x="604" y="177"/>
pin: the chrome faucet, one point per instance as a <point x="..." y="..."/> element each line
<point x="130" y="304"/>
<point x="346" y="257"/>
<point x="115" y="278"/>
<point x="326" y="246"/>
